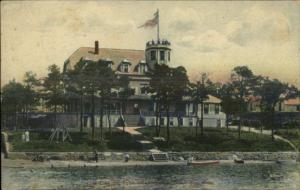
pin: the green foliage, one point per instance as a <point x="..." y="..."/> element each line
<point x="167" y="85"/>
<point x="216" y="139"/>
<point x="122" y="141"/>
<point x="199" y="93"/>
<point x="81" y="142"/>
<point x="291" y="134"/>
<point x="54" y="88"/>
<point x="229" y="104"/>
<point x="13" y="99"/>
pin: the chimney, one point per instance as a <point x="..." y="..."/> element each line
<point x="96" y="47"/>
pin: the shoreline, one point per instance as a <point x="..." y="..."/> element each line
<point x="145" y="156"/>
<point x="8" y="163"/>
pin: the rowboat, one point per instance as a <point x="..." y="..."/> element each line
<point x="239" y="161"/>
<point x="203" y="163"/>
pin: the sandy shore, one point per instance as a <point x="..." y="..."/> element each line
<point x="55" y="163"/>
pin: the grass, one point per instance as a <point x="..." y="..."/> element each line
<point x="216" y="139"/>
<point x="81" y="142"/>
<point x="182" y="139"/>
<point x="292" y="134"/>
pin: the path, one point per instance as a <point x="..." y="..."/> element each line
<point x="266" y="132"/>
<point x="147" y="144"/>
<point x="131" y="130"/>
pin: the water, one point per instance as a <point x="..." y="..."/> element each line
<point x="260" y="176"/>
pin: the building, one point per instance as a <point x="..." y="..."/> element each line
<point x="140" y="108"/>
<point x="288" y="105"/>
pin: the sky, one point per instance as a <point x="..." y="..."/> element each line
<point x="206" y="36"/>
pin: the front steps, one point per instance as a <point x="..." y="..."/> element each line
<point x="133" y="120"/>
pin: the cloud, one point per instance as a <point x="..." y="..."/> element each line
<point x="209" y="41"/>
<point x="259" y="24"/>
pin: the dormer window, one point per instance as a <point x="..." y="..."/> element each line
<point x="109" y="62"/>
<point x="143" y="68"/>
<point x="124" y="67"/>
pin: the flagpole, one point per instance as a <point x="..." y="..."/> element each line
<point x="157" y="24"/>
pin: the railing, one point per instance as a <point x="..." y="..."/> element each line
<point x="164" y="114"/>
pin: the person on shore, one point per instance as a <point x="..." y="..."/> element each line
<point x="127" y="157"/>
<point x="96" y="155"/>
<point x="27" y="136"/>
<point x="23" y="137"/>
<point x="190" y="159"/>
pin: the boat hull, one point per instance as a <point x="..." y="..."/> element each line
<point x="239" y="161"/>
<point x="202" y="163"/>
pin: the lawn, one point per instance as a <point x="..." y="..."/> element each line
<point x="182" y="139"/>
<point x="215" y="139"/>
<point x="81" y="142"/>
<point x="291" y="134"/>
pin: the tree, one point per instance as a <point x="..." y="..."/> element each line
<point x="76" y="85"/>
<point x="94" y="76"/>
<point x="199" y="93"/>
<point x="271" y="92"/>
<point x="30" y="95"/>
<point x="124" y="93"/>
<point x="242" y="80"/>
<point x="54" y="90"/>
<point x="13" y="99"/>
<point x="168" y="85"/>
<point x="229" y="104"/>
<point x="156" y="89"/>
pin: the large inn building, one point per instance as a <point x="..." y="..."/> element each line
<point x="140" y="109"/>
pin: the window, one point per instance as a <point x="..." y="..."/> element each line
<point x="143" y="69"/>
<point x="161" y="121"/>
<point x="169" y="56"/>
<point x="190" y="121"/>
<point x="162" y="55"/>
<point x="217" y="109"/>
<point x="125" y="68"/>
<point x="298" y="108"/>
<point x="152" y="55"/>
<point x="144" y="89"/>
<point x="206" y="108"/>
<point x="171" y="121"/>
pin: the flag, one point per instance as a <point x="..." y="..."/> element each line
<point x="151" y="23"/>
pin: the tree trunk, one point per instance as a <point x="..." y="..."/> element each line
<point x="81" y="113"/>
<point x="27" y="120"/>
<point x="272" y="124"/>
<point x="55" y="116"/>
<point x="121" y="116"/>
<point x="202" y="110"/>
<point x="159" y="125"/>
<point x="109" y="119"/>
<point x="16" y="117"/>
<point x="101" y="119"/>
<point x="239" y="127"/>
<point x="156" y="120"/>
<point x="227" y="123"/>
<point x="168" y="125"/>
<point x="197" y="119"/>
<point x="93" y="116"/>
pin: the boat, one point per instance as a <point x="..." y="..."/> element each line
<point x="238" y="161"/>
<point x="284" y="161"/>
<point x="203" y="163"/>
